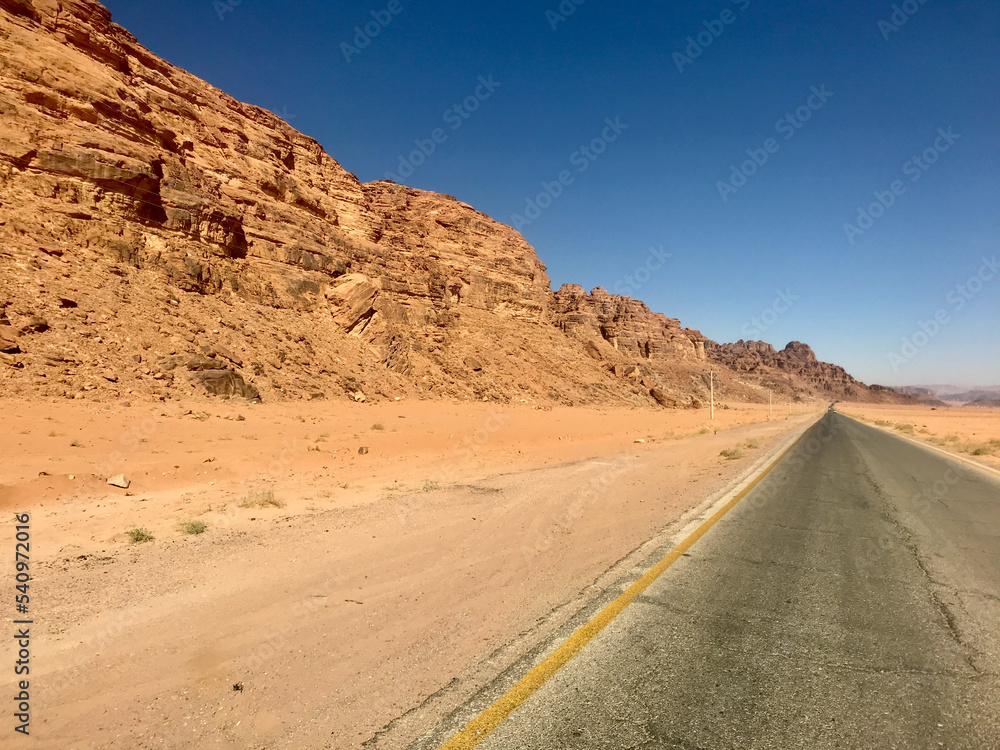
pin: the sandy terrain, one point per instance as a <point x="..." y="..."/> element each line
<point x="379" y="581"/>
<point x="973" y="433"/>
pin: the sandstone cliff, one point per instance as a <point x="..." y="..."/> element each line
<point x="795" y="369"/>
<point x="158" y="237"/>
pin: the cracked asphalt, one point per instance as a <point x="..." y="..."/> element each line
<point x="852" y="600"/>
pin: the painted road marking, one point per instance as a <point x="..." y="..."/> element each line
<point x="481" y="727"/>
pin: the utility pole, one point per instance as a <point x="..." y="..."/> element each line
<point x="712" y="387"/>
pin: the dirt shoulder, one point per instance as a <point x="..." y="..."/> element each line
<point x="422" y="568"/>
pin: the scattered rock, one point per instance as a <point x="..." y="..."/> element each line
<point x="225" y="353"/>
<point x="473" y="364"/>
<point x="226" y="383"/>
<point x="593" y="351"/>
<point x="120" y="480"/>
<point x="67" y="303"/>
<point x="663" y="398"/>
<point x="8" y="341"/>
<point x="35" y="324"/>
<point x="200" y="362"/>
<point x="110" y="376"/>
<point x="362" y="451"/>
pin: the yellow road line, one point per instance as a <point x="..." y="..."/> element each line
<point x="477" y="730"/>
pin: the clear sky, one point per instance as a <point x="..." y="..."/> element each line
<point x="747" y="134"/>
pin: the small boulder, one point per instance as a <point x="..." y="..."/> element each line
<point x="225" y="353"/>
<point x="473" y="364"/>
<point x="663" y="398"/>
<point x="110" y="376"/>
<point x="35" y="324"/>
<point x="8" y="341"/>
<point x="593" y="351"/>
<point x="362" y="451"/>
<point x="120" y="480"/>
<point x="199" y="363"/>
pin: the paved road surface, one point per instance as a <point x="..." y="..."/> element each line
<point x="852" y="600"/>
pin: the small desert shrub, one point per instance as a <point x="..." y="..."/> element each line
<point x="979" y="449"/>
<point x="430" y="485"/>
<point x="751" y="444"/>
<point x="192" y="527"/>
<point x="261" y="499"/>
<point x="378" y="427"/>
<point x="731" y="454"/>
<point x="139" y="535"/>
<point x="907" y="428"/>
<point x="704" y="431"/>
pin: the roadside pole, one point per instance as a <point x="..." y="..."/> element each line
<point x="712" y="386"/>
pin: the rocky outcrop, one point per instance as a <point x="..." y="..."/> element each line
<point x="625" y="324"/>
<point x="148" y="218"/>
<point x="797" y="360"/>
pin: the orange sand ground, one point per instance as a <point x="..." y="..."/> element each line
<point x="464" y="537"/>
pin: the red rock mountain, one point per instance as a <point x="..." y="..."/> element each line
<point x="158" y="237"/>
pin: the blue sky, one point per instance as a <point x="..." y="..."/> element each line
<point x="773" y="248"/>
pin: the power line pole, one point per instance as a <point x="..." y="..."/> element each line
<point x="712" y="387"/>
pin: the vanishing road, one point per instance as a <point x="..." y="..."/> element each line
<point x="851" y="600"/>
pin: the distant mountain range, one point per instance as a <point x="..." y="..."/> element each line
<point x="984" y="395"/>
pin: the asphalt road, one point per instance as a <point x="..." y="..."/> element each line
<point x="851" y="600"/>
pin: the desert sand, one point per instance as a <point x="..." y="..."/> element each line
<point x="378" y="589"/>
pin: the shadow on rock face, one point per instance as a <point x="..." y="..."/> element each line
<point x="226" y="383"/>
